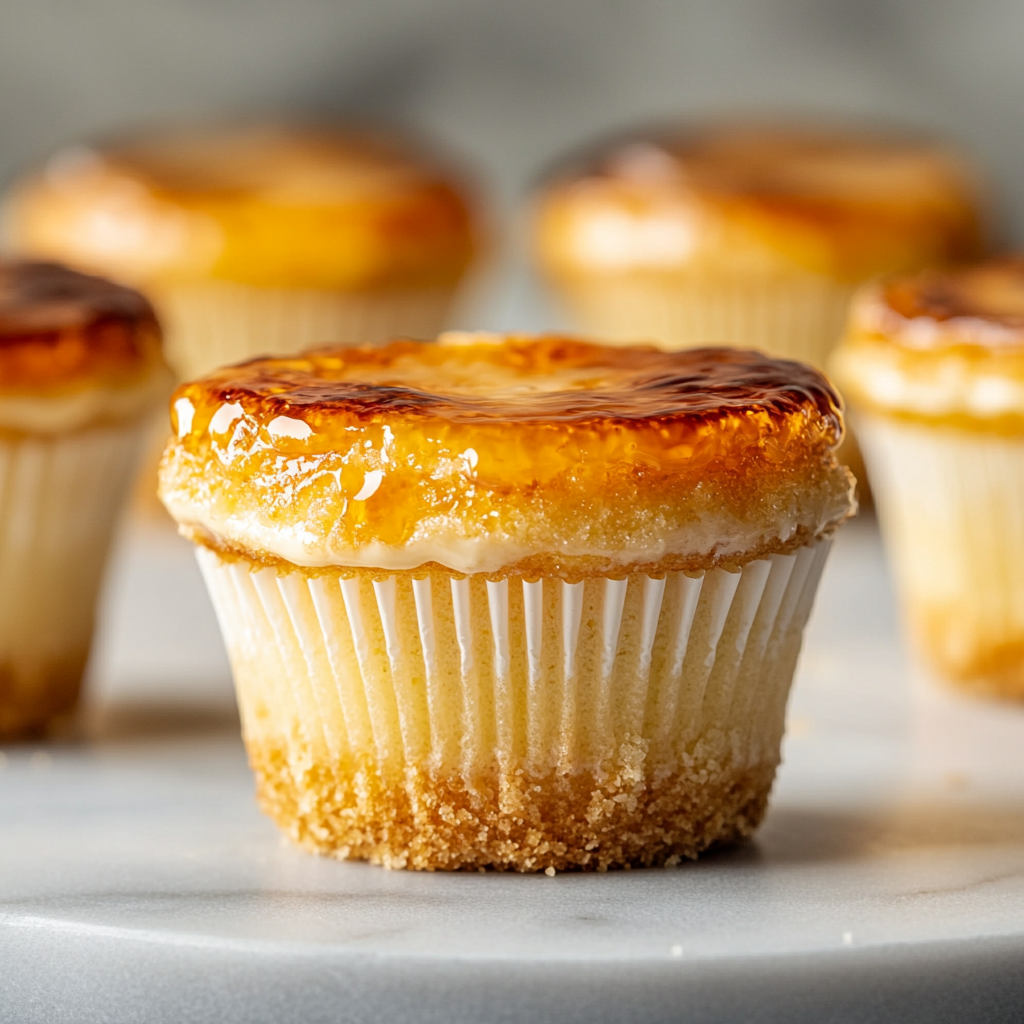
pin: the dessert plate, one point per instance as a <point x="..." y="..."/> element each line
<point x="138" y="882"/>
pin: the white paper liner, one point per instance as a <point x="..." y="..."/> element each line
<point x="218" y="323"/>
<point x="951" y="504"/>
<point x="798" y="317"/>
<point x="59" y="501"/>
<point x="455" y="675"/>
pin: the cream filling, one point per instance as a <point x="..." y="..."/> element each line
<point x="65" y="413"/>
<point x="947" y="385"/>
<point x="721" y="536"/>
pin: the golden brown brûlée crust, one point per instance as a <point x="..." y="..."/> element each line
<point x="941" y="346"/>
<point x="273" y="206"/>
<point x="748" y="198"/>
<point x="526" y="455"/>
<point x="61" y="330"/>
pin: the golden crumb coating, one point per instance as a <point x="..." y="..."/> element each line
<point x="519" y="454"/>
<point x="942" y="346"/>
<point x="59" y="327"/>
<point x="271" y="206"/>
<point x="746" y="199"/>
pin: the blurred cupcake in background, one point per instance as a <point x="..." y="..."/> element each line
<point x="933" y="364"/>
<point x="80" y="371"/>
<point x="749" y="234"/>
<point x="258" y="240"/>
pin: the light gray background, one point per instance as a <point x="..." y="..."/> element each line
<point x="512" y="84"/>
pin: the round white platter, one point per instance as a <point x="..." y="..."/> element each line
<point x="139" y="883"/>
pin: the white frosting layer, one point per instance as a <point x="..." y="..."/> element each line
<point x="939" y="384"/>
<point x="89" y="404"/>
<point x="720" y="535"/>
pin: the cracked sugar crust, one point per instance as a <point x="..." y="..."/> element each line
<point x="481" y="453"/>
<point x="626" y="816"/>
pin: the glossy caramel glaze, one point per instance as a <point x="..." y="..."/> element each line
<point x="941" y="345"/>
<point x="522" y="381"/>
<point x="272" y="206"/>
<point x="757" y="198"/>
<point x="487" y="454"/>
<point x="60" y="329"/>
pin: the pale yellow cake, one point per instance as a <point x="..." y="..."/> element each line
<point x="515" y="602"/>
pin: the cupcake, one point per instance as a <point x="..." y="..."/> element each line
<point x="933" y="364"/>
<point x="752" y="234"/>
<point x="523" y="603"/>
<point x="258" y="241"/>
<point x="80" y="369"/>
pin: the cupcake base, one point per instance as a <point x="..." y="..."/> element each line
<point x="219" y="322"/>
<point x="468" y="722"/>
<point x="59" y="500"/>
<point x="618" y="816"/>
<point x="951" y="504"/>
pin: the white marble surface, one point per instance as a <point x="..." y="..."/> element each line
<point x="139" y="883"/>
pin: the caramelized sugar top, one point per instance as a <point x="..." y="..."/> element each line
<point x="59" y="328"/>
<point x="480" y="453"/>
<point x="475" y="379"/>
<point x="278" y="206"/>
<point x="848" y="202"/>
<point x="981" y="304"/>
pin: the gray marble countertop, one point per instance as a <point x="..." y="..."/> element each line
<point x="139" y="883"/>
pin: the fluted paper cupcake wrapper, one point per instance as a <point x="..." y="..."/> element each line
<point x="218" y="323"/>
<point x="799" y="317"/>
<point x="59" y="502"/>
<point x="449" y="681"/>
<point x="951" y="504"/>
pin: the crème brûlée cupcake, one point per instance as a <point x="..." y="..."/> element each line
<point x="80" y="370"/>
<point x="933" y="364"/>
<point x="258" y="240"/>
<point x="517" y="602"/>
<point x="754" y="234"/>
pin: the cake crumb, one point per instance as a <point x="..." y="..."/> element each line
<point x="677" y="950"/>
<point x="572" y="824"/>
<point x="550" y="872"/>
<point x="847" y="938"/>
